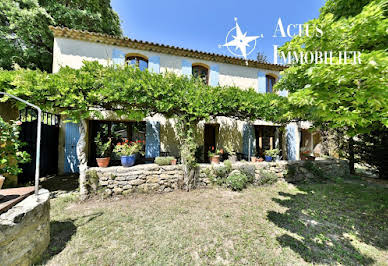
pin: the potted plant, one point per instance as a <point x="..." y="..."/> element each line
<point x="269" y="154"/>
<point x="305" y="154"/>
<point x="128" y="150"/>
<point x="214" y="155"/>
<point x="103" y="151"/>
<point x="231" y="154"/>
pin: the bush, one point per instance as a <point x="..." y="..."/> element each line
<point x="10" y="149"/>
<point x="163" y="160"/>
<point x="218" y="175"/>
<point x="249" y="171"/>
<point x="237" y="181"/>
<point x="267" y="178"/>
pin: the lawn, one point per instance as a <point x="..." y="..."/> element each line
<point x="338" y="222"/>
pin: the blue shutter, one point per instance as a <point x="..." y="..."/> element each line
<point x="154" y="64"/>
<point x="186" y="68"/>
<point x="249" y="140"/>
<point x="118" y="57"/>
<point x="291" y="138"/>
<point x="71" y="139"/>
<point x="152" y="139"/>
<point x="262" y="86"/>
<point x="214" y="78"/>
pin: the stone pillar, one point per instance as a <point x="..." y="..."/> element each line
<point x="293" y="142"/>
<point x="82" y="157"/>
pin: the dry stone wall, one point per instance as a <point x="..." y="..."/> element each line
<point x="155" y="178"/>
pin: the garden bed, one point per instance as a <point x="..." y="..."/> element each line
<point x="155" y="178"/>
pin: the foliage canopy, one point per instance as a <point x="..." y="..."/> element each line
<point x="353" y="97"/>
<point x="25" y="38"/>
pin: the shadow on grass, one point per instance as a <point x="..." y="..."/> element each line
<point x="65" y="183"/>
<point x="61" y="233"/>
<point x="325" y="219"/>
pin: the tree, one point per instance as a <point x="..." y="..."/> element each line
<point x="85" y="92"/>
<point x="262" y="58"/>
<point x="25" y="38"/>
<point x="350" y="97"/>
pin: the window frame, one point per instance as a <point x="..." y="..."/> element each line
<point x="137" y="57"/>
<point x="269" y="78"/>
<point x="204" y="67"/>
<point x="94" y="124"/>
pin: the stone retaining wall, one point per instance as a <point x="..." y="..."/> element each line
<point x="155" y="178"/>
<point x="25" y="230"/>
<point x="141" y="178"/>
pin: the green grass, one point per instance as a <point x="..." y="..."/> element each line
<point x="331" y="223"/>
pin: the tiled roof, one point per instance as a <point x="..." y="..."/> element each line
<point x="159" y="48"/>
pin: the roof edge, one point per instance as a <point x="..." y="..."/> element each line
<point x="155" y="47"/>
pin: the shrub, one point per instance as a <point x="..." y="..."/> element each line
<point x="164" y="160"/>
<point x="228" y="165"/>
<point x="10" y="149"/>
<point x="237" y="181"/>
<point x="266" y="178"/>
<point x="249" y="171"/>
<point x="218" y="175"/>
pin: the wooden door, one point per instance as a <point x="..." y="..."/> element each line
<point x="210" y="134"/>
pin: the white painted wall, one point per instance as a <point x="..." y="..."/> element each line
<point x="72" y="53"/>
<point x="69" y="52"/>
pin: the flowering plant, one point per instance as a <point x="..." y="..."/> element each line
<point x="213" y="152"/>
<point x="305" y="152"/>
<point x="11" y="154"/>
<point x="127" y="148"/>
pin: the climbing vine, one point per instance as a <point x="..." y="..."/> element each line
<point x="134" y="94"/>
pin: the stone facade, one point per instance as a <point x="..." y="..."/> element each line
<point x="25" y="230"/>
<point x="155" y="178"/>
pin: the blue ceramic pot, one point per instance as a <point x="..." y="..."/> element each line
<point x="128" y="161"/>
<point x="268" y="158"/>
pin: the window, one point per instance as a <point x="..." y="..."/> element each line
<point x="137" y="60"/>
<point x="118" y="132"/>
<point x="270" y="81"/>
<point x="201" y="72"/>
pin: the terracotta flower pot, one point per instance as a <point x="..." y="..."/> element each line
<point x="173" y="162"/>
<point x="103" y="162"/>
<point x="2" y="178"/>
<point x="215" y="159"/>
<point x="253" y="159"/>
<point x="260" y="160"/>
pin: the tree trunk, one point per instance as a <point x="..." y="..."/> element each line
<point x="186" y="133"/>
<point x="82" y="158"/>
<point x="351" y="156"/>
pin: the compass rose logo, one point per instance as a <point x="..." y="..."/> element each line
<point x="240" y="41"/>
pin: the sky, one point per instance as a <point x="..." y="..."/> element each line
<point x="203" y="25"/>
